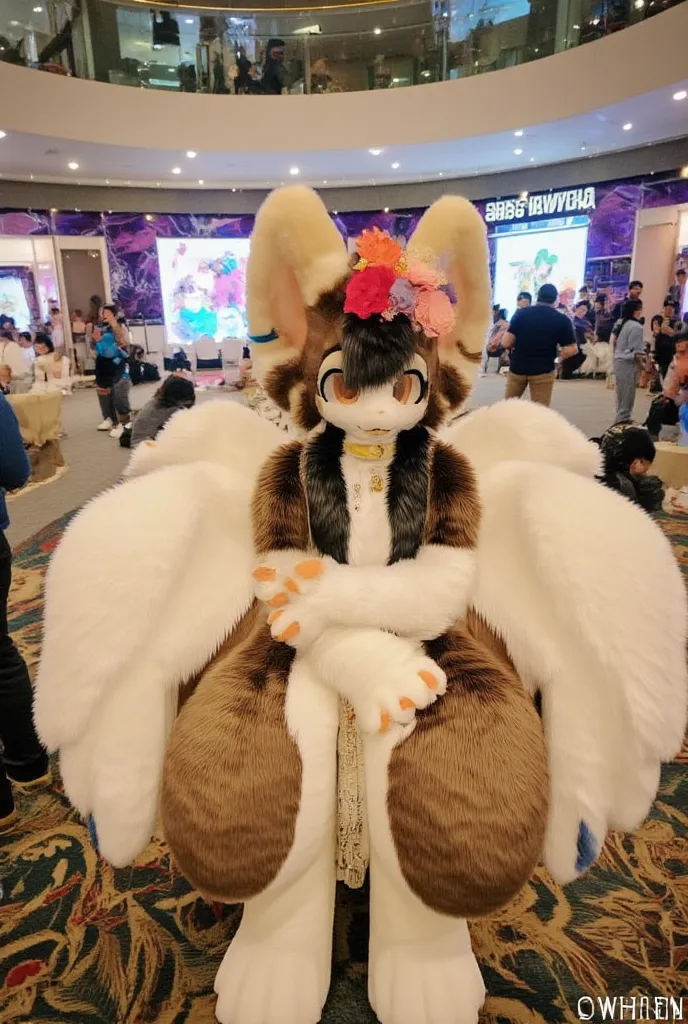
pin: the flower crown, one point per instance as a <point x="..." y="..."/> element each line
<point x="388" y="281"/>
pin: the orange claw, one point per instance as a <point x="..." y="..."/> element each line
<point x="278" y="600"/>
<point x="263" y="574"/>
<point x="290" y="632"/>
<point x="406" y="704"/>
<point x="291" y="585"/>
<point x="310" y="569"/>
<point x="385" y="721"/>
<point x="274" y="616"/>
<point x="429" y="680"/>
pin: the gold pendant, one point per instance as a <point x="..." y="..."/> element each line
<point x="377" y="484"/>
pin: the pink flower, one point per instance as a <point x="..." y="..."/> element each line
<point x="422" y="275"/>
<point x="402" y="298"/>
<point x="434" y="313"/>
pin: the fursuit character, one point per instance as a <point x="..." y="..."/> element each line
<point x="339" y="641"/>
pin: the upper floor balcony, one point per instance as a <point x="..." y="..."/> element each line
<point x="270" y="46"/>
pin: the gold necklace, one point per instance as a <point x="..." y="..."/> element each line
<point x="369" y="451"/>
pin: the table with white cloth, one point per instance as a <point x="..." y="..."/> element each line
<point x="40" y="425"/>
<point x="671" y="464"/>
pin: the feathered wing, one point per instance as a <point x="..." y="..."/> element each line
<point x="583" y="588"/>
<point x="146" y="584"/>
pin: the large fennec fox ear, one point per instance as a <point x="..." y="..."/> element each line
<point x="454" y="231"/>
<point x="296" y="256"/>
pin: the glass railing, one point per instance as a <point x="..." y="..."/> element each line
<point x="319" y="50"/>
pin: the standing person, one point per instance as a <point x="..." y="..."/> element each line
<point x="663" y="344"/>
<point x="112" y="377"/>
<point x="635" y="290"/>
<point x="79" y="341"/>
<point x="494" y="347"/>
<point x="523" y="300"/>
<point x="629" y="348"/>
<point x="24" y="760"/>
<point x="275" y="78"/>
<point x="174" y="394"/>
<point x="677" y="291"/>
<point x="56" y="327"/>
<point x="582" y="330"/>
<point x="536" y="335"/>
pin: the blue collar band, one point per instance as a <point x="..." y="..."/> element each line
<point x="263" y="339"/>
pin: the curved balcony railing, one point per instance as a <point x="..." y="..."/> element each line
<point x="314" y="50"/>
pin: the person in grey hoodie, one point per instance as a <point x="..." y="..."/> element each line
<point x="174" y="394"/>
<point x="628" y="349"/>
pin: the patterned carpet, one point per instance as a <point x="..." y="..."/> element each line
<point x="81" y="943"/>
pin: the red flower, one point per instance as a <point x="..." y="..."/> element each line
<point x="29" y="969"/>
<point x="368" y="291"/>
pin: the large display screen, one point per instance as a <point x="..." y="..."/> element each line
<point x="525" y="260"/>
<point x="203" y="284"/>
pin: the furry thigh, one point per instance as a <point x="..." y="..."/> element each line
<point x="467" y="786"/>
<point x="235" y="783"/>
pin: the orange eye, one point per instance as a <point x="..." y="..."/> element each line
<point x="402" y="389"/>
<point x="347" y="396"/>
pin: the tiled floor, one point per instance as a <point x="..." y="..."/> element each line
<point x="96" y="461"/>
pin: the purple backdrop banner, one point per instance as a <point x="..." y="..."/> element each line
<point x="131" y="237"/>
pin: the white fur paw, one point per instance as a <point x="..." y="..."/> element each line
<point x="298" y="623"/>
<point x="394" y="693"/>
<point x="257" y="984"/>
<point x="286" y="575"/>
<point x="407" y="985"/>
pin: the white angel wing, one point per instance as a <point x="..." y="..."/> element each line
<point x="519" y="430"/>
<point x="584" y="589"/>
<point x="148" y="581"/>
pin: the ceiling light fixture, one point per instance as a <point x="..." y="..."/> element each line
<point x="441" y="174"/>
<point x="294" y="171"/>
<point x="73" y="165"/>
<point x="583" y="148"/>
<point x="233" y="190"/>
<point x="3" y="135"/>
<point x="684" y="171"/>
<point x="680" y="95"/>
<point x="627" y="127"/>
<point x="519" y="133"/>
<point x="149" y="216"/>
<point x="201" y="181"/>
<point x="395" y="166"/>
<point x="38" y="10"/>
<point x="386" y="210"/>
<point x="325" y="181"/>
<point x="374" y="152"/>
<point x="377" y="31"/>
<point x="532" y="159"/>
<point x="191" y="154"/>
<point x="189" y="21"/>
<point x="176" y="170"/>
<point x="517" y="152"/>
<point x="523" y="196"/>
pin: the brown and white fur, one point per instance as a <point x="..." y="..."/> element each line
<point x="362" y="595"/>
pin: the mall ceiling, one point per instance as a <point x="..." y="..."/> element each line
<point x="643" y="121"/>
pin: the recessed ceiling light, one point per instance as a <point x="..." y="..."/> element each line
<point x="518" y="134"/>
<point x="627" y="127"/>
<point x="73" y="165"/>
<point x="395" y="166"/>
<point x="576" y="27"/>
<point x="680" y="95"/>
<point x="201" y="181"/>
<point x="374" y="152"/>
<point x="149" y="216"/>
<point x="684" y="171"/>
<point x="3" y="135"/>
<point x="582" y="149"/>
<point x="176" y="170"/>
<point x="523" y="196"/>
<point x="441" y="174"/>
<point x="335" y="212"/>
<point x="53" y="209"/>
<point x="192" y="154"/>
<point x="14" y="24"/>
<point x="189" y="21"/>
<point x="38" y="10"/>
<point x="517" y="152"/>
<point x="386" y="210"/>
<point x="325" y="181"/>
<point x="233" y="190"/>
<point x="294" y="171"/>
<point x="377" y="31"/>
<point x="157" y="184"/>
<point x="532" y="159"/>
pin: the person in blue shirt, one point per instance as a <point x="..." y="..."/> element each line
<point x="24" y="761"/>
<point x="536" y="335"/>
<point x="113" y="382"/>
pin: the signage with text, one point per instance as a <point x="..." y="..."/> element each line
<point x="540" y="204"/>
